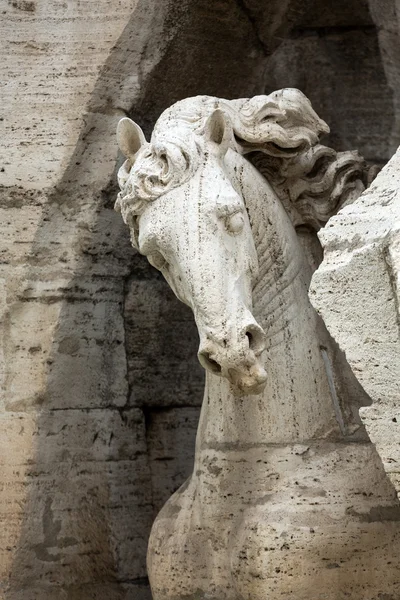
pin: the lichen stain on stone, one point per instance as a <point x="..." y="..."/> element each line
<point x="25" y="5"/>
<point x="377" y="514"/>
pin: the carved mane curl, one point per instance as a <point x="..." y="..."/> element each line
<point x="279" y="132"/>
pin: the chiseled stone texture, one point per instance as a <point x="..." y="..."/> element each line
<point x="72" y="69"/>
<point x="171" y="434"/>
<point x="161" y="346"/>
<point x="66" y="46"/>
<point x="286" y="487"/>
<point x="77" y="477"/>
<point x="357" y="292"/>
<point x="76" y="493"/>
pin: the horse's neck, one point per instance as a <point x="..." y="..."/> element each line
<point x="296" y="403"/>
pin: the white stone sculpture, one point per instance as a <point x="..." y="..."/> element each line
<point x="288" y="498"/>
<point x="362" y="256"/>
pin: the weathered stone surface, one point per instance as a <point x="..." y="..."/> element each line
<point x="66" y="47"/>
<point x="385" y="14"/>
<point x="171" y="437"/>
<point x="161" y="347"/>
<point x="346" y="61"/>
<point x="339" y="14"/>
<point x="286" y="486"/>
<point x="357" y="291"/>
<point x="139" y="591"/>
<point x="78" y="362"/>
<point x="76" y="512"/>
<point x="71" y="499"/>
<point x="71" y="71"/>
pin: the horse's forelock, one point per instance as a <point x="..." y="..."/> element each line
<point x="159" y="166"/>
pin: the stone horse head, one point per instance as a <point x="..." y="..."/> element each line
<point x="183" y="199"/>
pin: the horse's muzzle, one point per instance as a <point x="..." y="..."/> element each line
<point x="237" y="360"/>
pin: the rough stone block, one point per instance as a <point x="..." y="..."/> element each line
<point x="342" y="61"/>
<point x="102" y="591"/>
<point x="158" y="325"/>
<point x="28" y="340"/>
<point x="18" y="227"/>
<point x="356" y="290"/>
<point x="88" y="367"/>
<point x="53" y="52"/>
<point x="171" y="436"/>
<point x="71" y="352"/>
<point x="76" y="500"/>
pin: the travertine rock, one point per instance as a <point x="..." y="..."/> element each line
<point x="286" y="487"/>
<point x="68" y="277"/>
<point x="385" y="14"/>
<point x="357" y="291"/>
<point x="171" y="436"/>
<point x="157" y="325"/>
<point x="76" y="487"/>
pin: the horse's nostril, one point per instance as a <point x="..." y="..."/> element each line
<point x="250" y="338"/>
<point x="255" y="339"/>
<point x="209" y="363"/>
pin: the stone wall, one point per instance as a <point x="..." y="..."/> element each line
<point x="100" y="389"/>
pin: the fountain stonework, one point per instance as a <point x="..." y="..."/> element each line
<point x="288" y="496"/>
<point x="357" y="291"/>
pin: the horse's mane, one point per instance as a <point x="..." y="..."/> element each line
<point x="280" y="134"/>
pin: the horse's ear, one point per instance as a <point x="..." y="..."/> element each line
<point x="218" y="128"/>
<point x="130" y="137"/>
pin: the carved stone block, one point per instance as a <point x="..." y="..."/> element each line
<point x="357" y="291"/>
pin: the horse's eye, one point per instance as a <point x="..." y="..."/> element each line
<point x="157" y="260"/>
<point x="235" y="223"/>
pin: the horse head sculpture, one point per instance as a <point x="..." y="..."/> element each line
<point x="225" y="200"/>
<point x="197" y="233"/>
<point x="187" y="214"/>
